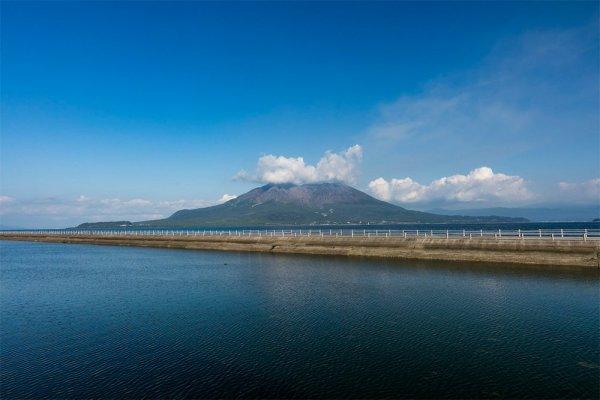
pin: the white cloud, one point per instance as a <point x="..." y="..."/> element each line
<point x="520" y="101"/>
<point x="226" y="197"/>
<point x="481" y="185"/>
<point x="331" y="167"/>
<point x="56" y="212"/>
<point x="5" y="199"/>
<point x="279" y="169"/>
<point x="580" y="192"/>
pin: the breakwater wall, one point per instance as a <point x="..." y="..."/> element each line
<point x="542" y="251"/>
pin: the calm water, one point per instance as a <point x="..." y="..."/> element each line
<point x="81" y="321"/>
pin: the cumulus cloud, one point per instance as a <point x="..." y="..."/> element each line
<point x="580" y="192"/>
<point x="481" y="185"/>
<point x="331" y="167"/>
<point x="57" y="212"/>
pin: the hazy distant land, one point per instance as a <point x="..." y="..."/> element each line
<point x="576" y="213"/>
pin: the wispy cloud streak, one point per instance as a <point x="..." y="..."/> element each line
<point x="533" y="91"/>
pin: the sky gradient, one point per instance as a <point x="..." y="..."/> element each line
<point x="133" y="110"/>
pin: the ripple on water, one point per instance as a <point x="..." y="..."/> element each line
<point x="92" y="321"/>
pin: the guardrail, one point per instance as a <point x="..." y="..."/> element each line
<point x="552" y="234"/>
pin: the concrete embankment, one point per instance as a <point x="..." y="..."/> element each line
<point x="545" y="252"/>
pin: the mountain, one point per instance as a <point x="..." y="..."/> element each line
<point x="538" y="214"/>
<point x="308" y="204"/>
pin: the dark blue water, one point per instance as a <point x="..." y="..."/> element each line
<point x="82" y="321"/>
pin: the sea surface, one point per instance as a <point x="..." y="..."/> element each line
<point x="85" y="321"/>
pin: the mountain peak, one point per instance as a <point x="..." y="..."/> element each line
<point x="316" y="195"/>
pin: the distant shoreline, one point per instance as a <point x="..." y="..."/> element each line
<point x="137" y="225"/>
<point x="532" y="252"/>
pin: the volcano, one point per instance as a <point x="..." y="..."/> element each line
<point x="307" y="204"/>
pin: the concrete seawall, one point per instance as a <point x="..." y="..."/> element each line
<point x="576" y="253"/>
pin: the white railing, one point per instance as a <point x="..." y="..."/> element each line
<point x="552" y="234"/>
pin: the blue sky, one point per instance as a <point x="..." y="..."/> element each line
<point x="132" y="110"/>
